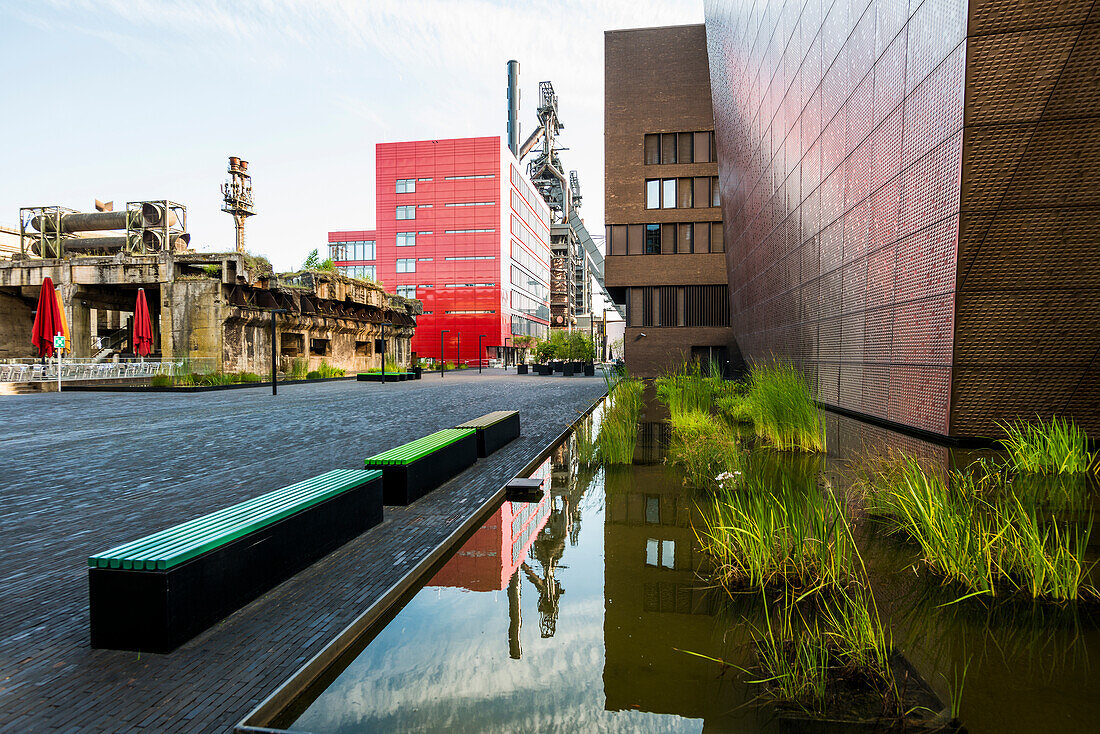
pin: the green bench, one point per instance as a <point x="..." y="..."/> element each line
<point x="494" y="430"/>
<point x="412" y="470"/>
<point x="154" y="593"/>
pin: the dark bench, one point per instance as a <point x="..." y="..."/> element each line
<point x="494" y="430"/>
<point x="411" y="471"/>
<point x="156" y="593"/>
<point x="390" y="376"/>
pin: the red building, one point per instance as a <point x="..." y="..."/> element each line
<point x="461" y="228"/>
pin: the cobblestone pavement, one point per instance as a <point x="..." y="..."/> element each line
<point x="81" y="472"/>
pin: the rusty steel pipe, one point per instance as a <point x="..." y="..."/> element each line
<point x="87" y="222"/>
<point x="153" y="215"/>
<point x="153" y="240"/>
<point x="88" y="244"/>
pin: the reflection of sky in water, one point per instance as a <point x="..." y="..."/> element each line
<point x="442" y="664"/>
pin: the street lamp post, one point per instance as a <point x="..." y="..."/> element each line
<point x="442" y="361"/>
<point x="384" y="325"/>
<point x="274" y="353"/>
<point x="480" y="352"/>
<point x="506" y="350"/>
<point x="458" y="359"/>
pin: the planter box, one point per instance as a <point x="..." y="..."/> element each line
<point x="521" y="369"/>
<point x="589" y="369"/>
<point x="567" y="369"/>
<point x="158" y="610"/>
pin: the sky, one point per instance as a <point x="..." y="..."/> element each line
<point x="124" y="100"/>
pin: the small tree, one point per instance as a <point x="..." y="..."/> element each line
<point x="327" y="265"/>
<point x="313" y="261"/>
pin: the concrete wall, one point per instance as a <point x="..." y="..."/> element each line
<point x="17" y="316"/>
<point x="192" y="313"/>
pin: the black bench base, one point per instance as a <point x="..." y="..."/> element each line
<point x="406" y="483"/>
<point x="390" y="377"/>
<point x="491" y="438"/>
<point x="157" y="611"/>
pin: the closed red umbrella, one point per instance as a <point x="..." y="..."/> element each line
<point x="143" y="326"/>
<point x="47" y="320"/>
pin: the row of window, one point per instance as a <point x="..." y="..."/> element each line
<point x="353" y="250"/>
<point x="529" y="306"/>
<point x="468" y="312"/>
<point x="681" y="193"/>
<point x="524" y="188"/>
<point x="365" y="272"/>
<point x="523" y="326"/>
<point x="463" y="178"/>
<point x="529" y="261"/>
<point x="408" y="211"/>
<point x="678" y="305"/>
<point x="409" y="291"/>
<point x="473" y="203"/>
<point x="530" y="283"/>
<point x="690" y="147"/>
<point x="467" y="231"/>
<point x="521" y="233"/>
<point x="534" y="221"/>
<point x="473" y="257"/>
<point x="684" y="238"/>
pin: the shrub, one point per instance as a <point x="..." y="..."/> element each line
<point x="249" y="377"/>
<point x="299" y="368"/>
<point x="1058" y="446"/>
<point x="313" y="375"/>
<point x="326" y="370"/>
<point x="162" y="381"/>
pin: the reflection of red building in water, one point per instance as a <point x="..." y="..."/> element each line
<point x="493" y="554"/>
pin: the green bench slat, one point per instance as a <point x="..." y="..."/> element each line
<point x="419" y="448"/>
<point x="488" y="419"/>
<point x="180" y="543"/>
<point x="135" y="553"/>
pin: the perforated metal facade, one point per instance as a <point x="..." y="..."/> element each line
<point x="909" y="195"/>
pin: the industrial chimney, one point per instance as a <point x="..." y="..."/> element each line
<point x="237" y="196"/>
<point x="513" y="107"/>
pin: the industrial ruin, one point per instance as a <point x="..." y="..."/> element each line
<point x="213" y="311"/>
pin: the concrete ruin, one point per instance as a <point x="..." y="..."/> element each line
<point x="211" y="309"/>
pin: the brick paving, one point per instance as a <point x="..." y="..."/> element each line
<point x="81" y="472"/>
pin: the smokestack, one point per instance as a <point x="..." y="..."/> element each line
<point x="513" y="107"/>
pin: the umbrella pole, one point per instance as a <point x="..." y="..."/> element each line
<point x="58" y="369"/>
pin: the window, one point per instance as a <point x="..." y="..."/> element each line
<point x="715" y="200"/>
<point x="319" y="347"/>
<point x="685" y="147"/>
<point x="653" y="194"/>
<point x="423" y="206"/>
<point x="424" y="259"/>
<point x="406" y="239"/>
<point x="406" y="212"/>
<point x="688" y="305"/>
<point x="653" y="239"/>
<point x="463" y="178"/>
<point x="473" y="257"/>
<point x="684" y="198"/>
<point x="466" y="231"/>
<point x="406" y="185"/>
<point x="406" y="291"/>
<point x="668" y="193"/>
<point x="660" y="553"/>
<point x="652" y="149"/>
<point x="472" y="203"/>
<point x="358" y="271"/>
<point x="406" y="265"/>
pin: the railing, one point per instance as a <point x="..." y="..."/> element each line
<point x="29" y="370"/>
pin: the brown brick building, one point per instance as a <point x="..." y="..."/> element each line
<point x="665" y="256"/>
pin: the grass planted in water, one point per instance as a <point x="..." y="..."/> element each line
<point x="688" y="389"/>
<point x="825" y="646"/>
<point x="782" y="408"/>
<point x="1058" y="446"/>
<point x="760" y="534"/>
<point x="705" y="448"/>
<point x="973" y="528"/>
<point x="619" y="428"/>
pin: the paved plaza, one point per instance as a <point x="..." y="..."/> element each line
<point x="82" y="472"/>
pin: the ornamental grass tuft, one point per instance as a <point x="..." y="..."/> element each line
<point x="782" y="408"/>
<point x="1057" y="446"/>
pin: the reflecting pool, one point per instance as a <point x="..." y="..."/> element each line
<point x="591" y="609"/>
